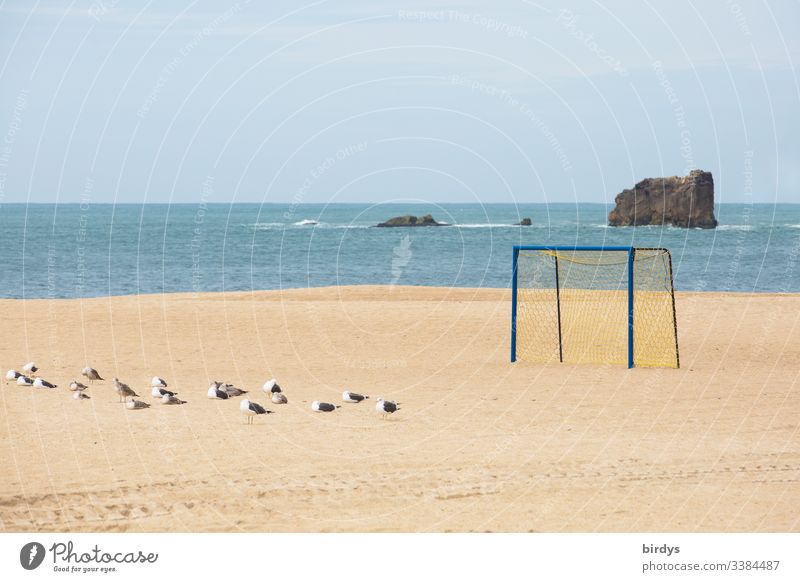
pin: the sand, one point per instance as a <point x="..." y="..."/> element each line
<point x="479" y="445"/>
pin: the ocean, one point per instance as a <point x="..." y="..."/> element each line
<point x="72" y="250"/>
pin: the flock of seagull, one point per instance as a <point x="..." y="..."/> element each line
<point x="216" y="391"/>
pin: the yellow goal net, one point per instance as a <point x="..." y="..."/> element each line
<point x="602" y="305"/>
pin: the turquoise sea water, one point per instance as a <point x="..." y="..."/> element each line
<point x="69" y="250"/>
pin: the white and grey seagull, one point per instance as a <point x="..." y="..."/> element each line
<point x="30" y="368"/>
<point x="76" y="386"/>
<point x="279" y="398"/>
<point x="123" y="390"/>
<point x="40" y="383"/>
<point x="171" y="399"/>
<point x="91" y="374"/>
<point x="24" y="381"/>
<point x="271" y="387"/>
<point x="12" y="375"/>
<point x="318" y="406"/>
<point x="136" y="404"/>
<point x="216" y="393"/>
<point x="251" y="409"/>
<point x="229" y="389"/>
<point x="348" y="396"/>
<point x="386" y="407"/>
<point x="158" y="392"/>
<point x="158" y="382"/>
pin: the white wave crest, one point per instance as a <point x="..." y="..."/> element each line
<point x="734" y="227"/>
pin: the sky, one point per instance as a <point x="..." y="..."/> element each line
<point x="341" y="101"/>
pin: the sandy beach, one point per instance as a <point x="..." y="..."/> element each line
<point x="479" y="444"/>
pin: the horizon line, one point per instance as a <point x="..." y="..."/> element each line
<point x="298" y="204"/>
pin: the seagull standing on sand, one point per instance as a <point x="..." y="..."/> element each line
<point x="158" y="392"/>
<point x="217" y="394"/>
<point x="76" y="386"/>
<point x="279" y="398"/>
<point x="24" y="381"/>
<point x="12" y="375"/>
<point x="123" y="390"/>
<point x="385" y="407"/>
<point x="157" y="382"/>
<point x="171" y="399"/>
<point x="136" y="404"/>
<point x="39" y="383"/>
<point x="30" y="368"/>
<point x="91" y="374"/>
<point x="318" y="406"/>
<point x="79" y="395"/>
<point x="348" y="396"/>
<point x="271" y="387"/>
<point x="251" y="409"/>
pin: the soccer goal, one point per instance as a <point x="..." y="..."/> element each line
<point x="604" y="305"/>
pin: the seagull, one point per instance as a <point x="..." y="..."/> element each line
<point x="39" y="383"/>
<point x="12" y="375"/>
<point x="158" y="392"/>
<point x="76" y="386"/>
<point x="91" y="374"/>
<point x="348" y="396"/>
<point x="279" y="398"/>
<point x="229" y="389"/>
<point x="318" y="406"/>
<point x="271" y="387"/>
<point x="171" y="399"/>
<point x="79" y="395"/>
<point x="216" y="393"/>
<point x="385" y="407"/>
<point x="123" y="390"/>
<point x="251" y="409"/>
<point x="136" y="404"/>
<point x="158" y="382"/>
<point x="24" y="381"/>
<point x="232" y="390"/>
<point x="30" y="367"/>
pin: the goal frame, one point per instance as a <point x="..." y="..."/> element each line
<point x="631" y="252"/>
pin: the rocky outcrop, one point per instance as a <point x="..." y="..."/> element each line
<point x="525" y="222"/>
<point x="686" y="202"/>
<point x="409" y="220"/>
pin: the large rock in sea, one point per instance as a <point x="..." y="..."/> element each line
<point x="686" y="202"/>
<point x="409" y="220"/>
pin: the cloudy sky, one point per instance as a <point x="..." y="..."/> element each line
<point x="345" y="101"/>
